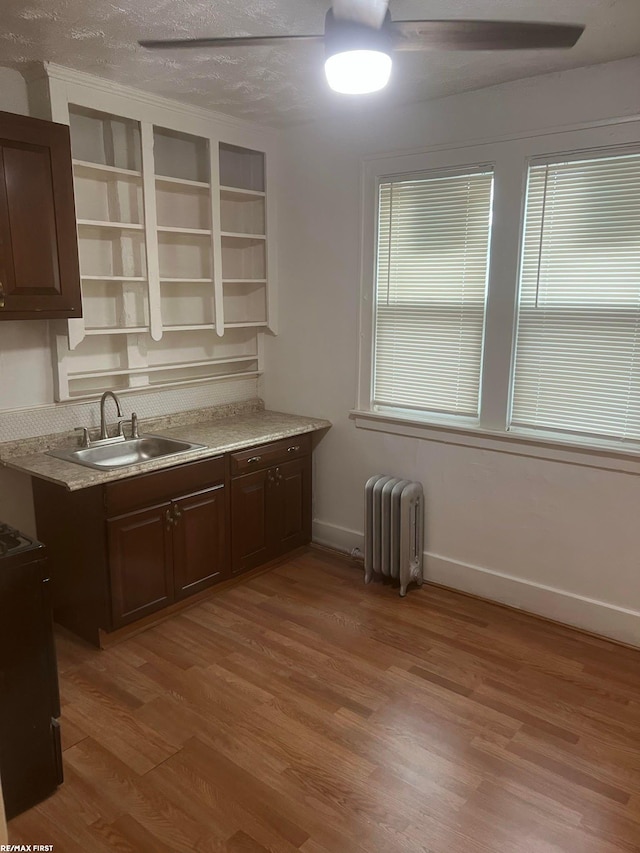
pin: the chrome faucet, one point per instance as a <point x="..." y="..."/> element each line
<point x="103" y="424"/>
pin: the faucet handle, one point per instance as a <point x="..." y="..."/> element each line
<point x="85" y="441"/>
<point x="119" y="423"/>
<point x="134" y="425"/>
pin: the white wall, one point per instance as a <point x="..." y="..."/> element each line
<point x="25" y="363"/>
<point x="547" y="536"/>
<point x="13" y="92"/>
<point x="26" y="376"/>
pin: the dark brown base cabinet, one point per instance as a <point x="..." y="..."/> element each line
<point x="30" y="751"/>
<point x="127" y="549"/>
<point x="270" y="513"/>
<point x="160" y="555"/>
<point x="199" y="541"/>
<point x="141" y="564"/>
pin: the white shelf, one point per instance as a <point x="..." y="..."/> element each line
<point x="121" y="226"/>
<point x="107" y="171"/>
<point x="174" y="383"/>
<point x="125" y="278"/>
<point x="244" y="281"/>
<point x="183" y="182"/>
<point x="118" y="330"/>
<point x="239" y="374"/>
<point x="170" y="229"/>
<point x="157" y="368"/>
<point x="186" y="281"/>
<point x="257" y="324"/>
<point x="189" y="327"/>
<point x="99" y="374"/>
<point x="236" y="235"/>
<point x="238" y="193"/>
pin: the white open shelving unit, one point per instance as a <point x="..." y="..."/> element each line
<point x="243" y="238"/>
<point x="175" y="256"/>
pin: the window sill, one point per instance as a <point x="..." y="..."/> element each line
<point x="553" y="448"/>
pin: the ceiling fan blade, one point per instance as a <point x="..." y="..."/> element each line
<point x="371" y="13"/>
<point x="482" y="35"/>
<point x="239" y="41"/>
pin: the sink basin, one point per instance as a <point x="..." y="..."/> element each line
<point x="131" y="451"/>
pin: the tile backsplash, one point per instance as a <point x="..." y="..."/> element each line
<point x="63" y="417"/>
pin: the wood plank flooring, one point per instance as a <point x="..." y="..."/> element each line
<point x="304" y="711"/>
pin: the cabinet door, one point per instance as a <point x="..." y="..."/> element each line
<point x="292" y="505"/>
<point x="140" y="562"/>
<point x="199" y="547"/>
<point x="250" y="520"/>
<point x="28" y="686"/>
<point x="39" y="273"/>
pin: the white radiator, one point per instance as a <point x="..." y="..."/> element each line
<point x="393" y="530"/>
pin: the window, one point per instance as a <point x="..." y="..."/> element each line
<point x="430" y="294"/>
<point x="501" y="303"/>
<point x="577" y="364"/>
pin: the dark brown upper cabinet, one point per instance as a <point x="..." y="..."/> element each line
<point x="39" y="270"/>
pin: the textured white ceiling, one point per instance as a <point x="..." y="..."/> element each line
<point x="284" y="84"/>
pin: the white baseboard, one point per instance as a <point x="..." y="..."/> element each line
<point x="600" y="617"/>
<point x="339" y="538"/>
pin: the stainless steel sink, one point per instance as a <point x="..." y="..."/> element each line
<point x="132" y="451"/>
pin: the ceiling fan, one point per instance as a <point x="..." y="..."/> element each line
<point x="360" y="37"/>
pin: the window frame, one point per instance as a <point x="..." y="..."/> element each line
<point x="510" y="158"/>
<point x="476" y="168"/>
<point x="594" y="439"/>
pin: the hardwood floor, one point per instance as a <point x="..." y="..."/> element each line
<point x="303" y="711"/>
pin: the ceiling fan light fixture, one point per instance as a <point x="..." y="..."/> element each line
<point x="360" y="38"/>
<point x="358" y="72"/>
<point x="358" y="56"/>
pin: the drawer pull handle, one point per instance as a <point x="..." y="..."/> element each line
<point x="253" y="459"/>
<point x="1" y="295"/>
<point x="167" y="516"/>
<point x="176" y="514"/>
<point x="293" y="448"/>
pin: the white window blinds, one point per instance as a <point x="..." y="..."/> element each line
<point x="432" y="259"/>
<point x="577" y="366"/>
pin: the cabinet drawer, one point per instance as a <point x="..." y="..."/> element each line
<point x="266" y="455"/>
<point x="147" y="489"/>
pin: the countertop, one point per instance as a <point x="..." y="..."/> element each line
<point x="218" y="435"/>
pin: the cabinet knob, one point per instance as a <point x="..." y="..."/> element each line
<point x="168" y="519"/>
<point x="1" y="295"/>
<point x="177" y="514"/>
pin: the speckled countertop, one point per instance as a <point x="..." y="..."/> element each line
<point x="217" y="434"/>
